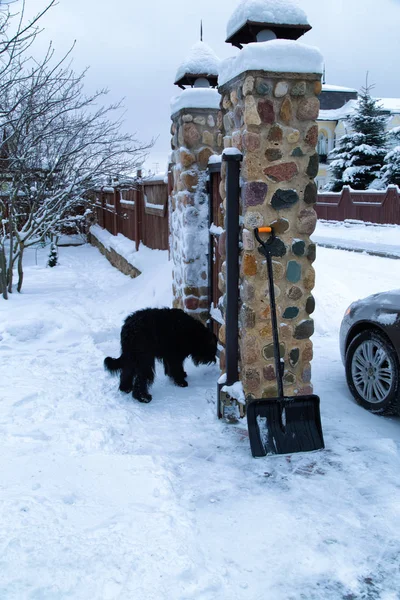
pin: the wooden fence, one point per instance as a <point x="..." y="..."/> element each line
<point x="140" y="213"/>
<point x="381" y="207"/>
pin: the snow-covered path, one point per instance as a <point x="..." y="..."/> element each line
<point x="380" y="240"/>
<point x="104" y="498"/>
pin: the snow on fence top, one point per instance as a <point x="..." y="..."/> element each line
<point x="279" y="12"/>
<point x="154" y="178"/>
<point x="196" y="98"/>
<point x="281" y="56"/>
<point x="201" y="61"/>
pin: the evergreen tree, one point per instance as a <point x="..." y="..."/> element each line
<point x="340" y="160"/>
<point x="359" y="156"/>
<point x="391" y="169"/>
<point x="53" y="256"/>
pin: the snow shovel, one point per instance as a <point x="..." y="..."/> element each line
<point x="281" y="425"/>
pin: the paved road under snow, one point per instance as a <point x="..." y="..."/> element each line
<point x="104" y="498"/>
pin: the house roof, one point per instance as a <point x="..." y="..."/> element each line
<point x="336" y="88"/>
<point x="338" y="114"/>
<point x="391" y="105"/>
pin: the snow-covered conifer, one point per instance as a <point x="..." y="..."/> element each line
<point x="391" y="169"/>
<point x="53" y="255"/>
<point x="358" y="158"/>
<point x="340" y="157"/>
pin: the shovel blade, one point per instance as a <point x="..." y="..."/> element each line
<point x="284" y="425"/>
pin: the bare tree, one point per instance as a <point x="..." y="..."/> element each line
<point x="13" y="57"/>
<point x="3" y="262"/>
<point x="58" y="144"/>
<point x="16" y="37"/>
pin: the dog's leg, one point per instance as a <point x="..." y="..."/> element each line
<point x="127" y="375"/>
<point x="167" y="368"/>
<point x="144" y="378"/>
<point x="177" y="373"/>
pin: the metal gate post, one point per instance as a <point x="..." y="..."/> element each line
<point x="213" y="169"/>
<point x="232" y="275"/>
<point x="210" y="246"/>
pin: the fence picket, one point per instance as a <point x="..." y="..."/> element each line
<point x="124" y="211"/>
<point x="381" y="207"/>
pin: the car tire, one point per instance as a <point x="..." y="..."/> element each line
<point x="372" y="372"/>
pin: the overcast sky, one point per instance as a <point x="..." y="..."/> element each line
<point x="135" y="47"/>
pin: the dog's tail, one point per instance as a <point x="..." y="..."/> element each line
<point x="113" y="364"/>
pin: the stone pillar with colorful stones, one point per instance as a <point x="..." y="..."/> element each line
<point x="271" y="118"/>
<point x="195" y="137"/>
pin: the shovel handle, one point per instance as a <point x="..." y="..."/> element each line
<point x="259" y="230"/>
<point x="275" y="334"/>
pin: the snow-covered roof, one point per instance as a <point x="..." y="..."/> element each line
<point x="201" y="60"/>
<point x="337" y="114"/>
<point x="337" y="88"/>
<point x="392" y="104"/>
<point x="389" y="104"/>
<point x="196" y="98"/>
<point x="281" y="56"/>
<point x="279" y="12"/>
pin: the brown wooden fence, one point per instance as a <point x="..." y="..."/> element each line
<point x="369" y="206"/>
<point x="140" y="213"/>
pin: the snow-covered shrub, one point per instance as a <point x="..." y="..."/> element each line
<point x="53" y="255"/>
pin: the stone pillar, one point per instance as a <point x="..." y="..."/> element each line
<point x="271" y="118"/>
<point x="196" y="136"/>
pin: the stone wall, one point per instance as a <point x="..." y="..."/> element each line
<point x="117" y="261"/>
<point x="271" y="118"/>
<point x="195" y="137"/>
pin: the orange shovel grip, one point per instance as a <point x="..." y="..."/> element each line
<point x="265" y="229"/>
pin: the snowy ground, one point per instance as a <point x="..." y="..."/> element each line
<point x="356" y="235"/>
<point x="104" y="498"/>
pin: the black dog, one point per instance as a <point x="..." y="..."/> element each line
<point x="167" y="334"/>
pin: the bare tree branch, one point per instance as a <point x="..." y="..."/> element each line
<point x="58" y="143"/>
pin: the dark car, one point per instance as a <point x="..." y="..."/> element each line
<point x="370" y="348"/>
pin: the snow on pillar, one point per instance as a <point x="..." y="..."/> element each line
<point x="196" y="124"/>
<point x="270" y="115"/>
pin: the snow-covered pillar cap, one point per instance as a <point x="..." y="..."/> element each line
<point x="200" y="64"/>
<point x="264" y="20"/>
<point x="196" y="98"/>
<point x="277" y="56"/>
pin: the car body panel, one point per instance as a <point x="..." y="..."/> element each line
<point x="381" y="311"/>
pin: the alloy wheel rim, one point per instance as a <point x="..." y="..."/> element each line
<point x="372" y="372"/>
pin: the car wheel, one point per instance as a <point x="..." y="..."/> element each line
<point x="372" y="372"/>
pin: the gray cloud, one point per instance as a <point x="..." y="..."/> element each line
<point x="134" y="48"/>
